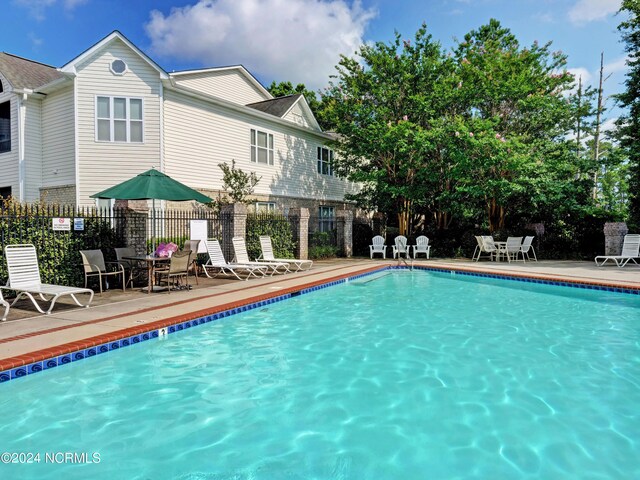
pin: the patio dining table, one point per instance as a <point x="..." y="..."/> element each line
<point x="500" y="246"/>
<point x="151" y="261"/>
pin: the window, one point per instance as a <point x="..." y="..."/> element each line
<point x="1" y="88"/>
<point x="265" y="207"/>
<point x="261" y="147"/>
<point x="119" y="119"/>
<point x="5" y="192"/>
<point x="325" y="160"/>
<point x="5" y="127"/>
<point x="118" y="67"/>
<point x="326" y="219"/>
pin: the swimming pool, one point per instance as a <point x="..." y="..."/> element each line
<point x="402" y="374"/>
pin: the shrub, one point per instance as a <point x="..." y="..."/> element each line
<point x="276" y="226"/>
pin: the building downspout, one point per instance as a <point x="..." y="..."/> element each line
<point x="21" y="123"/>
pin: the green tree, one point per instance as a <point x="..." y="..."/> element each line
<point x="628" y="125"/>
<point x="380" y="105"/>
<point x="515" y="104"/>
<point x="237" y="184"/>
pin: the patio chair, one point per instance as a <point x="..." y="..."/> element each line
<point x="177" y="269"/>
<point x="24" y="279"/>
<point x="6" y="306"/>
<point x="268" y="256"/>
<point x="217" y="265"/>
<point x="95" y="266"/>
<point x="421" y="246"/>
<point x="378" y="246"/>
<point x="511" y="249"/>
<point x="134" y="269"/>
<point x="400" y="246"/>
<point x="485" y="245"/>
<point x="240" y="250"/>
<point x="528" y="247"/>
<point x="630" y="251"/>
<point x="192" y="246"/>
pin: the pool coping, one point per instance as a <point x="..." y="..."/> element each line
<point x="43" y="359"/>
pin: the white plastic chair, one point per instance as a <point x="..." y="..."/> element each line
<point x="512" y="248"/>
<point x="267" y="255"/>
<point x="630" y="251"/>
<point x="378" y="246"/>
<point x="485" y="245"/>
<point x="421" y="246"/>
<point x="240" y="250"/>
<point x="528" y="247"/>
<point x="400" y="246"/>
<point x="24" y="279"/>
<point x="6" y="306"/>
<point x="218" y="265"/>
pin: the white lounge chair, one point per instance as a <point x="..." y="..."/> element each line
<point x="400" y="246"/>
<point x="421" y="246"/>
<point x="24" y="279"/>
<point x="630" y="251"/>
<point x="217" y="265"/>
<point x="240" y="249"/>
<point x="378" y="246"/>
<point x="528" y="247"/>
<point x="267" y="256"/>
<point x="5" y="304"/>
<point x="485" y="245"/>
<point x="511" y="248"/>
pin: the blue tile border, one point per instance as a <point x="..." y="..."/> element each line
<point x="54" y="362"/>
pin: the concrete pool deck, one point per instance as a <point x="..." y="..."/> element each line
<point x="27" y="337"/>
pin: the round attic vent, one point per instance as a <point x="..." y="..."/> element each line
<point x="118" y="67"/>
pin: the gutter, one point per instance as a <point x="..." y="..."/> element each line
<point x="243" y="109"/>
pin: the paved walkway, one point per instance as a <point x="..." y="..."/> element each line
<point x="27" y="337"/>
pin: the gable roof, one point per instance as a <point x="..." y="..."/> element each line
<point x="71" y="66"/>
<point x="276" y="106"/>
<point x="281" y="106"/>
<point x="22" y="73"/>
<point x="246" y="73"/>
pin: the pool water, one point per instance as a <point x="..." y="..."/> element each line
<point x="400" y="375"/>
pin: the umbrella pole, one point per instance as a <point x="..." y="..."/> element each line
<point x="153" y="226"/>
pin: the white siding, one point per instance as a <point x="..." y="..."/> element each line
<point x="9" y="176"/>
<point x="230" y="85"/>
<point x="216" y="135"/>
<point x="58" y="139"/>
<point x="104" y="164"/>
<point x="299" y="116"/>
<point x="32" y="150"/>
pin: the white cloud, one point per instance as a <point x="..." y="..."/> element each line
<point x="585" y="11"/>
<point x="617" y="65"/>
<point x="283" y="40"/>
<point x="608" y="125"/>
<point x="580" y="72"/>
<point x="37" y="8"/>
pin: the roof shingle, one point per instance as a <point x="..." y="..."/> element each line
<point x="276" y="106"/>
<point x="23" y="73"/>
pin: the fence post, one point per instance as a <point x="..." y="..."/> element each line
<point x="235" y="225"/>
<point x="301" y="235"/>
<point x="614" y="233"/>
<point x="344" y="220"/>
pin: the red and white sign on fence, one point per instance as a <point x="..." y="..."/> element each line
<point x="63" y="224"/>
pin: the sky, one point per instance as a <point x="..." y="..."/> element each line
<point x="301" y="40"/>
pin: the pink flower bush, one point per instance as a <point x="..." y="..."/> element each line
<point x="166" y="249"/>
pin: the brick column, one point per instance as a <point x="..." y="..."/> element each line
<point x="301" y="231"/>
<point x="614" y="233"/>
<point x="344" y="220"/>
<point x="134" y="221"/>
<point x="234" y="224"/>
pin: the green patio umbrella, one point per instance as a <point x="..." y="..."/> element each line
<point x="152" y="185"/>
